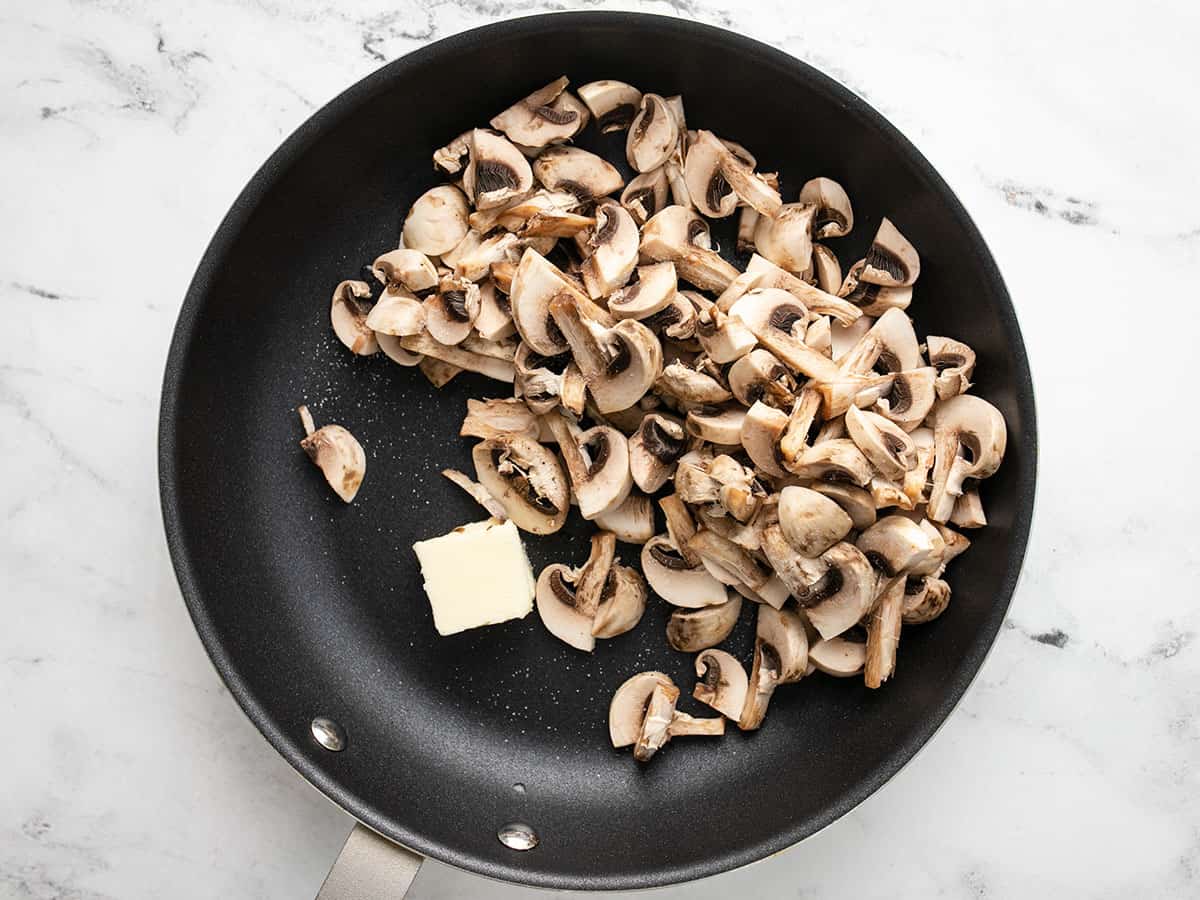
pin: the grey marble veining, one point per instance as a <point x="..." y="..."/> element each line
<point x="1069" y="131"/>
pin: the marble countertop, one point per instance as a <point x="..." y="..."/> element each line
<point x="1069" y="132"/>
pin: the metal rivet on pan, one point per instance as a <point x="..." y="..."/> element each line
<point x="328" y="733"/>
<point x="519" y="787"/>
<point x="517" y="836"/>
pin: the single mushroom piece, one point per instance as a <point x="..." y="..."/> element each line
<point x="915" y="479"/>
<point x="651" y="291"/>
<point x="544" y="117"/>
<point x="883" y="633"/>
<point x="494" y="321"/>
<point x="747" y="224"/>
<point x="814" y="299"/>
<point x="497" y="173"/>
<point x="759" y="376"/>
<point x="706" y="184"/>
<point x="689" y="630"/>
<point x="680" y="527"/>
<point x="437" y="222"/>
<point x="718" y="424"/>
<point x="885" y="444"/>
<point x="900" y="351"/>
<point x="834" y="460"/>
<point x="723" y="338"/>
<point x="835" y="590"/>
<point x="450" y="314"/>
<point x="632" y="521"/>
<point x="780" y="657"/>
<point x="538" y="379"/>
<point x="722" y="683"/>
<point x="453" y="157"/>
<point x="646" y="194"/>
<point x="653" y="134"/>
<point x="676" y="321"/>
<point x="348" y="313"/>
<point x="411" y="269"/>
<point x="842" y="657"/>
<point x="968" y="511"/>
<point x="622" y="603"/>
<point x="578" y="172"/>
<point x="834" y="216"/>
<point x="396" y="313"/>
<point x="614" y="250"/>
<point x="925" y="598"/>
<point x="526" y="479"/>
<point x="394" y="350"/>
<point x="819" y="335"/>
<point x="477" y="492"/>
<point x="762" y="429"/>
<point x="891" y="261"/>
<point x="855" y="501"/>
<point x="613" y="104"/>
<point x="653" y="450"/>
<point x="491" y="418"/>
<point x="728" y="557"/>
<point x="775" y="317"/>
<point x="535" y="284"/>
<point x="470" y="241"/>
<point x="872" y="299"/>
<point x="896" y="545"/>
<point x="558" y="606"/>
<point x="679" y="235"/>
<point x="969" y="441"/>
<point x="955" y="364"/>
<point x="476" y="264"/>
<point x="811" y="522"/>
<point x="437" y="372"/>
<point x="786" y="239"/>
<point x="619" y="363"/>
<point x="597" y="463"/>
<point x="910" y="397"/>
<point x="457" y="356"/>
<point x="336" y="452"/>
<point x="675" y="580"/>
<point x="826" y="269"/>
<point x="627" y="711"/>
<point x="690" y="386"/>
<point x="642" y="713"/>
<point x="798" y="435"/>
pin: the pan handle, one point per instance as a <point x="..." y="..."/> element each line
<point x="370" y="867"/>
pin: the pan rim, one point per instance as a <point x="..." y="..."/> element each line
<point x="525" y="870"/>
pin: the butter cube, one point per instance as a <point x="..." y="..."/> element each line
<point x="478" y="574"/>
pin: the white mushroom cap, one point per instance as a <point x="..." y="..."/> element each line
<point x="613" y="104"/>
<point x="652" y="135"/>
<point x="885" y="444"/>
<point x="653" y="450"/>
<point x="780" y="657"/>
<point x="614" y="250"/>
<point x="646" y="194"/>
<point x="707" y="186"/>
<point x="834" y="460"/>
<point x="840" y="657"/>
<point x="348" y="314"/>
<point x="955" y="364"/>
<point x="527" y="480"/>
<point x="674" y="580"/>
<point x="678" y="234"/>
<point x="895" y="545"/>
<point x="855" y="501"/>
<point x="762" y="428"/>
<point x="578" y="172"/>
<point x="557" y="606"/>
<point x="337" y="453"/>
<point x="834" y="217"/>
<point x="718" y="424"/>
<point x="900" y="351"/>
<point x="652" y="291"/>
<point x="836" y="590"/>
<point x="437" y="221"/>
<point x="497" y="172"/>
<point x="394" y="350"/>
<point x="872" y="299"/>
<point x="690" y="386"/>
<point x="598" y="464"/>
<point x="396" y="313"/>
<point x="759" y="376"/>
<point x="538" y="281"/>
<point x="970" y="425"/>
<point x="786" y="240"/>
<point x="632" y="521"/>
<point x="541" y="118"/>
<point x="410" y="268"/>
<point x="622" y="603"/>
<point x="722" y="683"/>
<point x="816" y="300"/>
<point x="450" y="314"/>
<point x="811" y="522"/>
<point x="926" y="603"/>
<point x="910" y="397"/>
<point x="892" y="261"/>
<point x="627" y="710"/>
<point x="689" y="630"/>
<point x="676" y="321"/>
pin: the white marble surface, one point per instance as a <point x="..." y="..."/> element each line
<point x="1069" y="130"/>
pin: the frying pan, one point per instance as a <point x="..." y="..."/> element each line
<point x="314" y="609"/>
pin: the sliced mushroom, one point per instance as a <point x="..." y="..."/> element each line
<point x="731" y="558"/>
<point x="909" y="398"/>
<point x="759" y="192"/>
<point x="494" y="321"/>
<point x="680" y="527"/>
<point x="672" y="234"/>
<point x="577" y="171"/>
<point x="759" y="376"/>
<point x="646" y="194"/>
<point x="539" y="378"/>
<point x="558" y="606"/>
<point x="632" y="521"/>
<point x="724" y="338"/>
<point x="450" y="314"/>
<point x="540" y="118"/>
<point x="597" y="463"/>
<point x="780" y="657"/>
<point x="834" y="460"/>
<point x="928" y="600"/>
<point x="811" y="522"/>
<point x="651" y="291"/>
<point x="885" y="444"/>
<point x="477" y="492"/>
<point x="497" y="172"/>
<point x="614" y="250"/>
<point x="672" y="578"/>
<point x="593" y="576"/>
<point x="622" y="603"/>
<point x="411" y="269"/>
<point x="969" y="442"/>
<point x="900" y="351"/>
<point x="394" y="350"/>
<point x="424" y="343"/>
<point x="627" y="711"/>
<point x="348" y="313"/>
<point x="707" y="186"/>
<point x="676" y="321"/>
<point x="855" y="501"/>
<point x="796" y="437"/>
<point x="437" y="372"/>
<point x="722" y="683"/>
<point x="872" y="299"/>
<point x="662" y="722"/>
<point x="835" y="590"/>
<point x="526" y="479"/>
<point x="775" y="316"/>
<point x="883" y="634"/>
<point x="842" y="657"/>
<point x="895" y="545"/>
<point x="536" y="283"/>
<point x="956" y="543"/>
<point x="437" y="222"/>
<point x="968" y="511"/>
<point x="613" y="104"/>
<point x="819" y="336"/>
<point x="786" y="239"/>
<point x="396" y="313"/>
<point x="747" y="224"/>
<point x="826" y="269"/>
<point x="834" y="215"/>
<point x="718" y="424"/>
<point x="689" y="630"/>
<point x="336" y="452"/>
<point x="491" y="418"/>
<point x="814" y="299"/>
<point x="762" y="428"/>
<point x="471" y="240"/>
<point x="653" y="450"/>
<point x="653" y="134"/>
<point x="955" y="364"/>
<point x="451" y="158"/>
<point x="891" y="261"/>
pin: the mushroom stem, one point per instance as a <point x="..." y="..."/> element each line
<point x="594" y="575"/>
<point x="730" y="556"/>
<point x="680" y="527"/>
<point x="883" y="633"/>
<point x="478" y="493"/>
<point x="795" y="437"/>
<point x="306" y="419"/>
<point x="684" y="724"/>
<point x="655" y="731"/>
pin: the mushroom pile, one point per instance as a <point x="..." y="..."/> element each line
<point x="812" y="458"/>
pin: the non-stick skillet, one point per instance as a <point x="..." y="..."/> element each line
<point x="313" y="610"/>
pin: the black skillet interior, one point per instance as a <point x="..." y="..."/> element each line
<point x="310" y="607"/>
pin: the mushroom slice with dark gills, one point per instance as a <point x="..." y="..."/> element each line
<point x="544" y="117"/>
<point x="899" y="348"/>
<point x="834" y="215"/>
<point x="613" y="104"/>
<point x="539" y="378"/>
<point x="613" y="247"/>
<point x="970" y="438"/>
<point x="872" y="299"/>
<point x="654" y="449"/>
<point x="679" y="235"/>
<point x="909" y="398"/>
<point x="646" y="194"/>
<point x="780" y="657"/>
<point x="576" y="171"/>
<point x="619" y="363"/>
<point x="494" y="322"/>
<point x="896" y="545"/>
<point x="336" y="452"/>
<point x="884" y="443"/>
<point x="526" y="479"/>
<point x="672" y="578"/>
<point x="676" y="321"/>
<point x="557" y="605"/>
<point x="594" y="574"/>
<point x="497" y="173"/>
<point x="653" y="134"/>
<point x="775" y="316"/>
<point x="689" y="630"/>
<point x="760" y="376"/>
<point x="815" y="300"/>
<point x="838" y="459"/>
<point x="348" y="313"/>
<point x="925" y="598"/>
<point x="437" y="222"/>
<point x="622" y="603"/>
<point x="762" y="428"/>
<point x="955" y="364"/>
<point x="597" y="463"/>
<point x="722" y="683"/>
<point x="410" y="269"/>
<point x="642" y="713"/>
<point x="836" y="589"/>
<point x="450" y="313"/>
<point x="535" y="284"/>
<point x="891" y="260"/>
<point x="717" y="179"/>
<point x="651" y="291"/>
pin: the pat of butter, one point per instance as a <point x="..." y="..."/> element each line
<point x="478" y="574"/>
